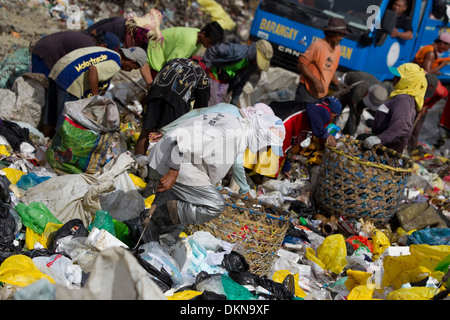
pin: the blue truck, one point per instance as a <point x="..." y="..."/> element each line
<point x="292" y="25"/>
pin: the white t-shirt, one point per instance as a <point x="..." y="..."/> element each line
<point x="206" y="148"/>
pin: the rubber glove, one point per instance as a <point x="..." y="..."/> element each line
<point x="371" y="141"/>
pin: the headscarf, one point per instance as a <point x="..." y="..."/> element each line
<point x="412" y="82"/>
<point x="251" y="110"/>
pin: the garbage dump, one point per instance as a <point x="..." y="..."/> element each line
<point x="347" y="224"/>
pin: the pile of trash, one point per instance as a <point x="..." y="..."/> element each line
<point x="63" y="236"/>
<point x="65" y="233"/>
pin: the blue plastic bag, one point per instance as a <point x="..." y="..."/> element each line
<point x="30" y="180"/>
<point x="430" y="236"/>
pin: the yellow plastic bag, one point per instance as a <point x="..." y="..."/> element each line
<point x="419" y="264"/>
<point x="13" y="175"/>
<point x="429" y="256"/>
<point x="217" y="13"/>
<point x="138" y="182"/>
<point x="20" y="270"/>
<point x="148" y="202"/>
<point x="279" y="277"/>
<point x="356" y="278"/>
<point x="362" y="292"/>
<point x="32" y="237"/>
<point x="332" y="252"/>
<point x="4" y="150"/>
<point x="184" y="295"/>
<point x="413" y="293"/>
<point x="380" y="242"/>
<point x="311" y="255"/>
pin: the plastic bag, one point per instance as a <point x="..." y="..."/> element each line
<point x="13" y="175"/>
<point x="7" y="224"/>
<point x="30" y="180"/>
<point x="362" y="292"/>
<point x="431" y="236"/>
<point x="155" y="254"/>
<point x="82" y="143"/>
<point x="122" y="232"/>
<point x="358" y="241"/>
<point x="103" y="220"/>
<point x="20" y="270"/>
<point x="356" y="278"/>
<point x="380" y="242"/>
<point x="413" y="293"/>
<point x="279" y="277"/>
<point x="138" y="182"/>
<point x="331" y="254"/>
<point x="36" y="216"/>
<point x="419" y="264"/>
<point x="234" y="291"/>
<point x="217" y="13"/>
<point x="73" y="228"/>
<point x="31" y="237"/>
<point x="184" y="295"/>
<point x="61" y="269"/>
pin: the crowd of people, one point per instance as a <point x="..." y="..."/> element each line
<point x="191" y="112"/>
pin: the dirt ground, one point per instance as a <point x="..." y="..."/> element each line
<point x="22" y="22"/>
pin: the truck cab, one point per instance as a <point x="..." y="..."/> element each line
<point x="292" y="25"/>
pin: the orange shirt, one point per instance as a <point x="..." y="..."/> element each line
<point x="420" y="55"/>
<point x="322" y="61"/>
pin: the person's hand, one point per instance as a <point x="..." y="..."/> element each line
<point x="331" y="140"/>
<point x="394" y="33"/>
<point x="371" y="141"/>
<point x="248" y="195"/>
<point x="154" y="136"/>
<point x="318" y="87"/>
<point x="167" y="181"/>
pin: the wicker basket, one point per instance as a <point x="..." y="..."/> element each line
<point x="259" y="229"/>
<point x="359" y="183"/>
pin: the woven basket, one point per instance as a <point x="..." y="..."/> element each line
<point x="259" y="229"/>
<point x="359" y="183"/>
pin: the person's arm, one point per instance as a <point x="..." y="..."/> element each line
<point x="93" y="80"/>
<point x="147" y="75"/>
<point x="407" y="35"/>
<point x="317" y="120"/>
<point x="167" y="181"/>
<point x="238" y="172"/>
<point x="317" y="86"/>
<point x="428" y="63"/>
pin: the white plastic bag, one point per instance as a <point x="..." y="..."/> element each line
<point x="61" y="269"/>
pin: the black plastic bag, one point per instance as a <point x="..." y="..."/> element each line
<point x="7" y="226"/>
<point x="234" y="261"/>
<point x="14" y="134"/>
<point x="279" y="290"/>
<point x="208" y="295"/>
<point x="74" y="228"/>
<point x="244" y="278"/>
<point x="162" y="275"/>
<point x="5" y="195"/>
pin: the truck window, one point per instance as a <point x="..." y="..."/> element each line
<point x="307" y="11"/>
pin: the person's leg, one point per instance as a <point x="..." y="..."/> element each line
<point x="303" y="96"/>
<point x="412" y="142"/>
<point x="48" y="122"/>
<point x="151" y="121"/>
<point x="183" y="205"/>
<point x="440" y="92"/>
